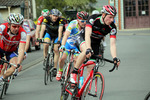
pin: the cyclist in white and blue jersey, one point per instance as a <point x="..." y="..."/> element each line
<point x="70" y="37"/>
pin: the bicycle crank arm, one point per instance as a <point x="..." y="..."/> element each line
<point x="92" y="94"/>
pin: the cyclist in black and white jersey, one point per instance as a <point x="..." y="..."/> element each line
<point x="98" y="26"/>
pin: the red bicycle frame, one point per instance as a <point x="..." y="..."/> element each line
<point x="90" y="76"/>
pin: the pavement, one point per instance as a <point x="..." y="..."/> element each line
<point x="140" y="31"/>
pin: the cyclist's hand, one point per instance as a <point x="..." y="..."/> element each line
<point x="116" y="61"/>
<point x="62" y="48"/>
<point x="58" y="43"/>
<point x="39" y="40"/>
<point x="89" y="52"/>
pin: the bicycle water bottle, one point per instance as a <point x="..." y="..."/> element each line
<point x="81" y="81"/>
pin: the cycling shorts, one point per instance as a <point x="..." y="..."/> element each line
<point x="48" y="36"/>
<point x="69" y="47"/>
<point x="8" y="55"/>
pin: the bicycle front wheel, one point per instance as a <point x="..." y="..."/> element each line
<point x="46" y="73"/>
<point x="95" y="88"/>
<point x="147" y="97"/>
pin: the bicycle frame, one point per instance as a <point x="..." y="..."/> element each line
<point x="90" y="76"/>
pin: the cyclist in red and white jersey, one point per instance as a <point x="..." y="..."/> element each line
<point x="12" y="37"/>
<point x="44" y="13"/>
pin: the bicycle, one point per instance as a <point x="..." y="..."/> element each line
<point x="49" y="63"/>
<point x="7" y="82"/>
<point x="101" y="53"/>
<point x="147" y="97"/>
<point x="90" y="85"/>
<point x="68" y="67"/>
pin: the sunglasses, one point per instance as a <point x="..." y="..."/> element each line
<point x="16" y="26"/>
<point x="82" y="21"/>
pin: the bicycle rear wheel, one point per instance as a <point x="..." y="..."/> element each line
<point x="46" y="73"/>
<point x="95" y="88"/>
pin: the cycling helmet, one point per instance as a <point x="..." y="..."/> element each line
<point x="95" y="12"/>
<point x="45" y="12"/>
<point x="15" y="18"/>
<point x="82" y="15"/>
<point x="55" y="12"/>
<point x="111" y="10"/>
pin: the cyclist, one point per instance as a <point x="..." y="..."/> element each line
<point x="70" y="36"/>
<point x="96" y="28"/>
<point x="44" y="13"/>
<point x="12" y="36"/>
<point x="54" y="25"/>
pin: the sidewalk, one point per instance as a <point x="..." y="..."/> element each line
<point x="142" y="31"/>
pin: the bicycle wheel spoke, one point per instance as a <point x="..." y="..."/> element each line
<point x="96" y="91"/>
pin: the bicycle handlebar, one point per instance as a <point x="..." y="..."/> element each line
<point x="111" y="61"/>
<point x="5" y="61"/>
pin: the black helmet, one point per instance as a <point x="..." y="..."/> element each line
<point x="55" y="12"/>
<point x="82" y="15"/>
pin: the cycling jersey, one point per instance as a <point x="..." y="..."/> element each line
<point x="40" y="20"/>
<point x="73" y="28"/>
<point x="99" y="29"/>
<point x="52" y="27"/>
<point x="9" y="42"/>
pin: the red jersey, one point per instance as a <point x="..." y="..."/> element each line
<point x="40" y="20"/>
<point x="9" y="42"/>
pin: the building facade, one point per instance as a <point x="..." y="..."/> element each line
<point x="132" y="14"/>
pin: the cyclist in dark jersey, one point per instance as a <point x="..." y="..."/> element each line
<point x="98" y="26"/>
<point x="54" y="28"/>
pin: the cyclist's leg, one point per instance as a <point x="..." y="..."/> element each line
<point x="56" y="53"/>
<point x="47" y="38"/>
<point x="62" y="62"/>
<point x="12" y="58"/>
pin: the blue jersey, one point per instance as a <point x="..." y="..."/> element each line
<point x="73" y="27"/>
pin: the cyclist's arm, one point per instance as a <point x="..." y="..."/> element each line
<point x="113" y="47"/>
<point x="88" y="31"/>
<point x="21" y="52"/>
<point x="42" y="30"/>
<point x="66" y="35"/>
<point x="27" y="43"/>
<point x="37" y="31"/>
<point x="60" y="32"/>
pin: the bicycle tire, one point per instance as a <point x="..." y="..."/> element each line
<point x="92" y="94"/>
<point x="51" y="65"/>
<point x="46" y="73"/>
<point x="147" y="97"/>
<point x="65" y="82"/>
<point x="2" y="91"/>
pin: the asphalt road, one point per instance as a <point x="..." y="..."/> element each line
<point x="130" y="82"/>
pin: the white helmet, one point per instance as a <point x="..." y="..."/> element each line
<point x="95" y="12"/>
<point x="15" y="18"/>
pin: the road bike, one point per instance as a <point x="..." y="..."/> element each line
<point x="6" y="82"/>
<point x="68" y="67"/>
<point x="49" y="62"/>
<point x="93" y="85"/>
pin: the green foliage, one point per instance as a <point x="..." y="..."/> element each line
<point x="63" y="5"/>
